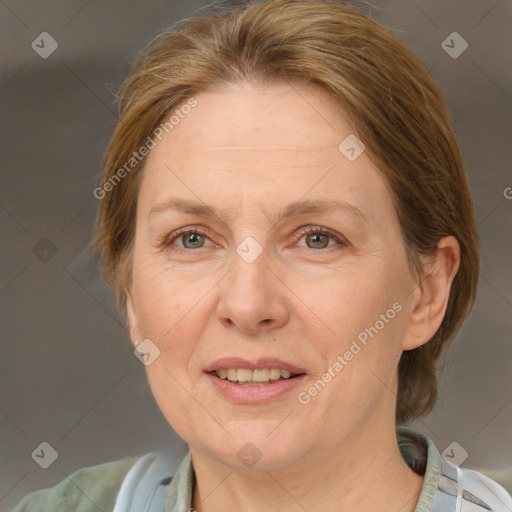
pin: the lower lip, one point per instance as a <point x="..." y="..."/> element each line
<point x="255" y="394"/>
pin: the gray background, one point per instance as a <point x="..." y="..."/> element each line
<point x="68" y="374"/>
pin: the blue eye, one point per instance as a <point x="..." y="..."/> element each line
<point x="193" y="238"/>
<point x="190" y="238"/>
<point x="319" y="238"/>
<point x="197" y="238"/>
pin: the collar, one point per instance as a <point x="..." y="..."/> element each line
<point x="417" y="449"/>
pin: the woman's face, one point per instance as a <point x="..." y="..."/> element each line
<point x="260" y="244"/>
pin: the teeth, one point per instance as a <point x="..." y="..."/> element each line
<point x="260" y="375"/>
<point x="274" y="373"/>
<point x="244" y="375"/>
<point x="247" y="376"/>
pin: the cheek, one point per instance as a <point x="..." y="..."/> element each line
<point x="166" y="307"/>
<point x="168" y="312"/>
<point x="364" y="316"/>
<point x="350" y="302"/>
<point x="160" y="300"/>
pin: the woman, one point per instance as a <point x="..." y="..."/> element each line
<point x="286" y="221"/>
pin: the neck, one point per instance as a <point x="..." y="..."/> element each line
<point x="363" y="473"/>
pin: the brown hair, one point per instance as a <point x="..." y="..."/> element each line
<point x="396" y="107"/>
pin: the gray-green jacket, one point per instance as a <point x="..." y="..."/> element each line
<point x="446" y="487"/>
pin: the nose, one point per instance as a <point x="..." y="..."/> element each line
<point x="252" y="297"/>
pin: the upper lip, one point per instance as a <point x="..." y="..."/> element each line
<point x="262" y="362"/>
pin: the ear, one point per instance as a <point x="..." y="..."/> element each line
<point x="132" y="319"/>
<point x="432" y="293"/>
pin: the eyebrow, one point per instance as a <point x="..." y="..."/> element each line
<point x="294" y="209"/>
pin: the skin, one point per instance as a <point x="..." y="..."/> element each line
<point x="250" y="151"/>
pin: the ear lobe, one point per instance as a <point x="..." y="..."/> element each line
<point x="433" y="293"/>
<point x="131" y="318"/>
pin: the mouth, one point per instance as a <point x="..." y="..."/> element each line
<point x="254" y="382"/>
<point x="257" y="377"/>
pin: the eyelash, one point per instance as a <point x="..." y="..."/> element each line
<point x="320" y="231"/>
<point x="168" y="241"/>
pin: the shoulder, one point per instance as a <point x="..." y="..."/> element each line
<point x="88" y="489"/>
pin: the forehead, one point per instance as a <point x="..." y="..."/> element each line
<point x="279" y="118"/>
<point x="248" y="143"/>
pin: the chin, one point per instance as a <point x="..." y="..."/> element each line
<point x="255" y="446"/>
